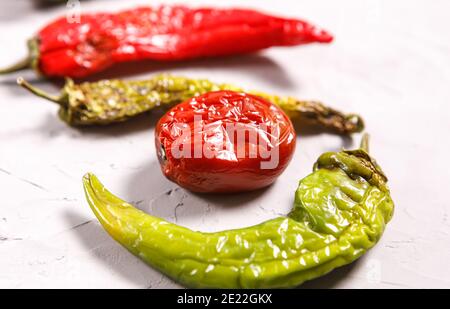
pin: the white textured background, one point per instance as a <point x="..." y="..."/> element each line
<point x="389" y="62"/>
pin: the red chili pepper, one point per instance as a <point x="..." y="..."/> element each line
<point x="162" y="33"/>
<point x="224" y="141"/>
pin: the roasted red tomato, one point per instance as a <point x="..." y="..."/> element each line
<point x="224" y="141"/>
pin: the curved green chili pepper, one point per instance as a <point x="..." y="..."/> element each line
<point x="340" y="212"/>
<point x="110" y="101"/>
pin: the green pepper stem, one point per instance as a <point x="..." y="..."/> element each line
<point x="40" y="93"/>
<point x="365" y="142"/>
<point x="22" y="64"/>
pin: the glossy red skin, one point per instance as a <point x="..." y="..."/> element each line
<point x="223" y="173"/>
<point x="163" y="33"/>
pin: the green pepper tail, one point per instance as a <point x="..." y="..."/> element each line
<point x="66" y="111"/>
<point x="58" y="99"/>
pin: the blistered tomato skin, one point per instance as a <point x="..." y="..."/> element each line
<point x="224" y="141"/>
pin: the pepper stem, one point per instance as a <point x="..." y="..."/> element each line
<point x="40" y="93"/>
<point x="22" y="64"/>
<point x="365" y="142"/>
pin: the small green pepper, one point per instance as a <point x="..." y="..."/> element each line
<point x="110" y="101"/>
<point x="340" y="212"/>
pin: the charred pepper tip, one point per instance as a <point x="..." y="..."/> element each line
<point x="59" y="99"/>
<point x="356" y="121"/>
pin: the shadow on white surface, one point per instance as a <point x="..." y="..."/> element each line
<point x="332" y="279"/>
<point x="256" y="65"/>
<point x="149" y="190"/>
<point x="112" y="255"/>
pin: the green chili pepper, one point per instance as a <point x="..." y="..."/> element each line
<point x="340" y="212"/>
<point x="110" y="101"/>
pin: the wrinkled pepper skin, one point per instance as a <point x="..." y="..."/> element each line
<point x="110" y="101"/>
<point x="340" y="212"/>
<point x="165" y="33"/>
<point x="249" y="142"/>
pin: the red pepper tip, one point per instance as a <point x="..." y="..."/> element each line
<point x="324" y="37"/>
<point x="302" y="32"/>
